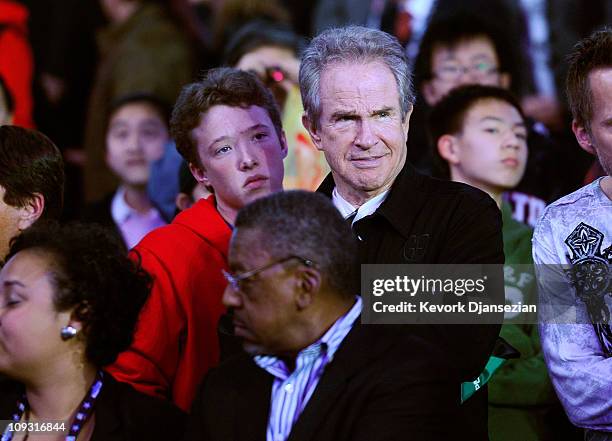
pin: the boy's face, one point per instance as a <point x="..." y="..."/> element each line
<point x="490" y="153"/>
<point x="472" y="61"/>
<point x="135" y="138"/>
<point x="241" y="155"/>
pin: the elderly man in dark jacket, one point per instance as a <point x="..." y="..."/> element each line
<point x="357" y="95"/>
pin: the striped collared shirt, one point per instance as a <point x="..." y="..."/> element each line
<point x="291" y="390"/>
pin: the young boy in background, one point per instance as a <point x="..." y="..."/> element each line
<point x="480" y="138"/>
<point x="136" y="135"/>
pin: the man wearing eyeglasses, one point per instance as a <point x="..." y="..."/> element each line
<point x="460" y="50"/>
<point x="310" y="370"/>
<point x="228" y="128"/>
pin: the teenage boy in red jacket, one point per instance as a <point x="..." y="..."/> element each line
<point x="228" y="128"/>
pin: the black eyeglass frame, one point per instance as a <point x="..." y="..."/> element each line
<point x="235" y="279"/>
<point x="459" y="70"/>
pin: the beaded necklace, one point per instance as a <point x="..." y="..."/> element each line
<point x="83" y="413"/>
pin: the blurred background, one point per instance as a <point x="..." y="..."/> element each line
<point x="63" y="63"/>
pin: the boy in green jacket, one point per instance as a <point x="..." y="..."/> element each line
<point x="479" y="138"/>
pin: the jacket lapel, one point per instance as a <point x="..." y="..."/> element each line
<point x="404" y="202"/>
<point x="327" y="186"/>
<point x="358" y="348"/>
<point x="252" y="408"/>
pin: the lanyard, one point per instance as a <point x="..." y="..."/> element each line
<point x="83" y="413"/>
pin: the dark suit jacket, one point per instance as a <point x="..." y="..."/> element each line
<point x="100" y="213"/>
<point x="429" y="221"/>
<point x="375" y="388"/>
<point x="121" y="413"/>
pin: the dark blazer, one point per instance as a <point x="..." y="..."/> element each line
<point x="429" y="221"/>
<point x="374" y="389"/>
<point x="121" y="413"/>
<point x="99" y="212"/>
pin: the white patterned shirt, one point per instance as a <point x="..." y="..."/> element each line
<point x="576" y="230"/>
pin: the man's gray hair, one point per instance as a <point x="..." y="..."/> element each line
<point x="352" y="44"/>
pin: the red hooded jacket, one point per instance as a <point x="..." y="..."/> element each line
<point x="176" y="341"/>
<point x="16" y="60"/>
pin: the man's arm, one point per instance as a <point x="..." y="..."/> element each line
<point x="579" y="370"/>
<point x="475" y="237"/>
<point x="403" y="408"/>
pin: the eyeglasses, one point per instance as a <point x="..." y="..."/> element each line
<point x="235" y="279"/>
<point x="452" y="72"/>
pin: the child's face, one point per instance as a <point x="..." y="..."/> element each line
<point x="491" y="150"/>
<point x="136" y="137"/>
<point x="241" y="153"/>
<point x="472" y="61"/>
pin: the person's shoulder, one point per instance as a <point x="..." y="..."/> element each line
<point x="99" y="211"/>
<point x="464" y="221"/>
<point x="233" y="375"/>
<point x="450" y="190"/>
<point x="464" y="203"/>
<point x="569" y="206"/>
<point x="202" y="221"/>
<point x="232" y="368"/>
<point x="138" y="416"/>
<point x="202" y="210"/>
<point x="583" y="193"/>
<point x="446" y="199"/>
<point x="138" y="408"/>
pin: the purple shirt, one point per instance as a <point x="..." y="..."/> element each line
<point x="132" y="224"/>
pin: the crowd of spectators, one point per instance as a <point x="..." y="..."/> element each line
<point x="144" y="149"/>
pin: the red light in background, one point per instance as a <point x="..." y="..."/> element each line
<point x="278" y="76"/>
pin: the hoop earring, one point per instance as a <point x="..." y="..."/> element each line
<point x="68" y="332"/>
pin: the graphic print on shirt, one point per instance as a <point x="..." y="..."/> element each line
<point x="592" y="278"/>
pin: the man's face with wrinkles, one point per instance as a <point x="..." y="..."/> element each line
<point x="360" y="129"/>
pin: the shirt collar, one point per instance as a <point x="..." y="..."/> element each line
<point x="347" y="209"/>
<point x="120" y="210"/>
<point x="410" y="189"/>
<point x="335" y="335"/>
<point x="330" y="341"/>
